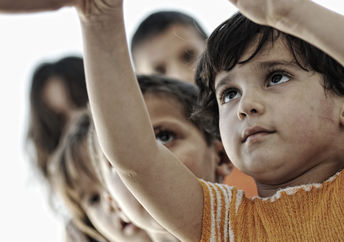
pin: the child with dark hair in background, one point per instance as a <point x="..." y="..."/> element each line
<point x="170" y="43"/>
<point x="57" y="90"/>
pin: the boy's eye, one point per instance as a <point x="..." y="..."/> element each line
<point x="94" y="199"/>
<point x="228" y="95"/>
<point x="160" y="69"/>
<point x="165" y="136"/>
<point x="188" y="56"/>
<point x="278" y="78"/>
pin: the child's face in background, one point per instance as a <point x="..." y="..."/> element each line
<point x="275" y="119"/>
<point x="100" y="210"/>
<point x="56" y="96"/>
<point x="173" y="53"/>
<point x="93" y="198"/>
<point x="181" y="137"/>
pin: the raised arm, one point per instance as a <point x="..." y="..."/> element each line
<point x="301" y="18"/>
<point x="27" y="6"/>
<point x="170" y="192"/>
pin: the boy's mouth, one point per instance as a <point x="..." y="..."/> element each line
<point x="250" y="132"/>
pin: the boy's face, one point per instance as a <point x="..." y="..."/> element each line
<point x="275" y="119"/>
<point x="173" y="53"/>
<point x="181" y="136"/>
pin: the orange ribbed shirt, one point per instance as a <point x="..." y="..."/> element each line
<point x="313" y="212"/>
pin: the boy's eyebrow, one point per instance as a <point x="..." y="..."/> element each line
<point x="222" y="82"/>
<point x="273" y="63"/>
<point x="261" y="65"/>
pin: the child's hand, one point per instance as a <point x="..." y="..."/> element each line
<point x="266" y="12"/>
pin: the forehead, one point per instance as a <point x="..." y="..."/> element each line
<point x="162" y="107"/>
<point x="271" y="54"/>
<point x="176" y="32"/>
<point x="174" y="37"/>
<point x="270" y="49"/>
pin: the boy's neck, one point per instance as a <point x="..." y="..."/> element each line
<point x="317" y="174"/>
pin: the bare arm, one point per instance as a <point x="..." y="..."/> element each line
<point x="170" y="192"/>
<point x="27" y="6"/>
<point x="301" y="18"/>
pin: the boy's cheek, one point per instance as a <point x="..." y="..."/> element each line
<point x="227" y="124"/>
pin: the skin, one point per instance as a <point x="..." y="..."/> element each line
<point x="186" y="142"/>
<point x="113" y="88"/>
<point x="289" y="107"/>
<point x="55" y="95"/>
<point x="23" y="6"/>
<point x="173" y="53"/>
<point x="131" y="208"/>
<point x="100" y="210"/>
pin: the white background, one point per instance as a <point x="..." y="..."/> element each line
<point x="25" y="41"/>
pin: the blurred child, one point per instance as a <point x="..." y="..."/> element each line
<point x="170" y="104"/>
<point x="170" y="43"/>
<point x="93" y="214"/>
<point x="57" y="90"/>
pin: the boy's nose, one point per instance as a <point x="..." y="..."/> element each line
<point x="250" y="106"/>
<point x="180" y="72"/>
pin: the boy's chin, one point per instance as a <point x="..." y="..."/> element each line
<point x="265" y="172"/>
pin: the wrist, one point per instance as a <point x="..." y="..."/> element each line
<point x="105" y="17"/>
<point x="289" y="19"/>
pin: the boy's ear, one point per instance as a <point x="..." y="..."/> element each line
<point x="224" y="166"/>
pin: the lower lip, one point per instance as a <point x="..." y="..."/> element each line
<point x="256" y="137"/>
